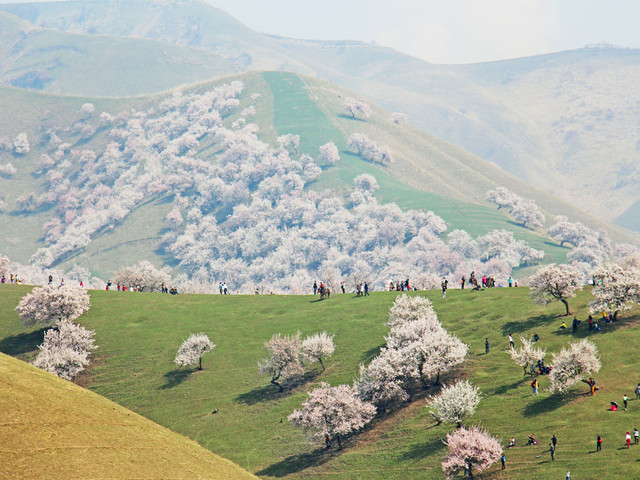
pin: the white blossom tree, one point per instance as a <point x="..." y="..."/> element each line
<point x="144" y="275"/>
<point x="366" y="182"/>
<point x="471" y="450"/>
<point x="528" y="354"/>
<point x="571" y="364"/>
<point x="564" y="231"/>
<point x="383" y="381"/>
<point x="616" y="289"/>
<point x="7" y="170"/>
<point x="285" y="359"/>
<point x="407" y="308"/>
<point x="526" y="211"/>
<point x="192" y="350"/>
<point x="329" y="153"/>
<point x="65" y="350"/>
<point x="502" y="197"/>
<point x="356" y="107"/>
<point x="334" y="412"/>
<point x="399" y="118"/>
<point x="48" y="304"/>
<point x="21" y="144"/>
<point x="289" y="141"/>
<point x="555" y="282"/>
<point x="455" y="402"/>
<point x="317" y="347"/>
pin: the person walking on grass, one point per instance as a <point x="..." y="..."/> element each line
<point x="486" y="346"/>
<point x="625" y="399"/>
<point x="628" y="439"/>
<point x="554" y="440"/>
<point x="503" y="460"/>
<point x="599" y="443"/>
<point x="552" y="450"/>
<point x="636" y="436"/>
<point x="511" y="344"/>
<point x="534" y="387"/>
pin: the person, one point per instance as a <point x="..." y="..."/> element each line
<point x="503" y="460"/>
<point x="366" y="289"/>
<point x="599" y="443"/>
<point x="592" y="385"/>
<point x="462" y="282"/>
<point x="512" y="442"/>
<point x="342" y="287"/>
<point x="563" y="326"/>
<point x="315" y="288"/>
<point x="536" y="337"/>
<point x="614" y="407"/>
<point x="628" y="439"/>
<point x="568" y="477"/>
<point x="50" y="279"/>
<point x="637" y="391"/>
<point x="554" y="440"/>
<point x="625" y="399"/>
<point x="532" y="440"/>
<point x="511" y="344"/>
<point x="552" y="450"/>
<point x="220" y="287"/>
<point x="636" y="436"/>
<point x="576" y="322"/>
<point x="534" y="387"/>
<point x="327" y="441"/>
<point x="510" y="282"/>
<point x="445" y="282"/>
<point x="486" y="346"/>
<point x="590" y="322"/>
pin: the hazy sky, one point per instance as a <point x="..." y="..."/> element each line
<point x="448" y="31"/>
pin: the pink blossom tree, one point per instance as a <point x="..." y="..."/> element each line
<point x="555" y="282"/>
<point x="144" y="275"/>
<point x="334" y="412"/>
<point x="48" y="304"/>
<point x="329" y="153"/>
<point x="471" y="450"/>
<point x="616" y="289"/>
<point x="502" y="197"/>
<point x="285" y="359"/>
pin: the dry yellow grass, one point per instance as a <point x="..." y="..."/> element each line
<point x="53" y="429"/>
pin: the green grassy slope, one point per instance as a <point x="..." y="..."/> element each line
<point x="53" y="429"/>
<point x="138" y="335"/>
<point x="66" y="63"/>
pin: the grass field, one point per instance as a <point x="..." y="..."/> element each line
<point x="138" y="335"/>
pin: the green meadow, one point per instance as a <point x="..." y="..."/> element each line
<point x="138" y="335"/>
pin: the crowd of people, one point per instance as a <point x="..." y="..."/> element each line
<point x="13" y="279"/>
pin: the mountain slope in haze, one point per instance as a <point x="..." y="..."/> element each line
<point x="551" y="120"/>
<point x="66" y="63"/>
<point x="53" y="429"/>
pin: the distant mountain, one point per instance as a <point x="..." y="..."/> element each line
<point x="66" y="63"/>
<point x="563" y="122"/>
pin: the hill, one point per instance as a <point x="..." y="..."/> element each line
<point x="552" y="120"/>
<point x="439" y="176"/>
<point x="65" y="63"/>
<point x="54" y="429"/>
<point x="138" y="335"/>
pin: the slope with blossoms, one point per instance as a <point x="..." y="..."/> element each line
<point x="138" y="335"/>
<point x="213" y="181"/>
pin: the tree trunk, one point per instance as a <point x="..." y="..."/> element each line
<point x="615" y="316"/>
<point x="339" y="442"/>
<point x="469" y="469"/>
<point x="566" y="306"/>
<point x="200" y="364"/>
<point x="437" y="382"/>
<point x="321" y="364"/>
<point x="275" y="382"/>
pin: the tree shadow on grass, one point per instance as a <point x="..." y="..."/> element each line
<point x="528" y="324"/>
<point x="421" y="450"/>
<point x="502" y="389"/>
<point x="269" y="392"/>
<point x="297" y="463"/>
<point x="367" y="356"/>
<point x="546" y="405"/>
<point x="175" y="378"/>
<point x="22" y="343"/>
